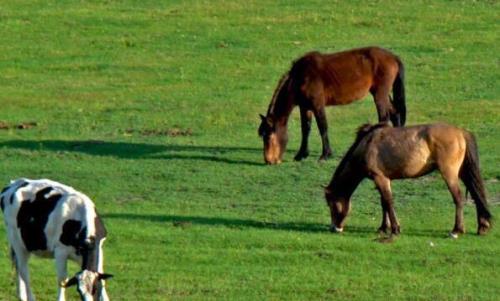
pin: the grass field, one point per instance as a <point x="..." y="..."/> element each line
<point x="151" y="108"/>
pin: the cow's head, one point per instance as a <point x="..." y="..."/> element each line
<point x="89" y="284"/>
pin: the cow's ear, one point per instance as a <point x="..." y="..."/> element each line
<point x="104" y="276"/>
<point x="70" y="282"/>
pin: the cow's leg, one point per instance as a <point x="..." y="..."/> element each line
<point x="61" y="259"/>
<point x="100" y="269"/>
<point x="305" y="122"/>
<point x="20" y="258"/>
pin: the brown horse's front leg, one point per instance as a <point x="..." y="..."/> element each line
<point x="384" y="187"/>
<point x="305" y="122"/>
<point x="323" y="131"/>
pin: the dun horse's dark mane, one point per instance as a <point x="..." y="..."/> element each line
<point x="362" y="132"/>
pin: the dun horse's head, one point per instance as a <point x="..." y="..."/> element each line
<point x="339" y="209"/>
<point x="275" y="139"/>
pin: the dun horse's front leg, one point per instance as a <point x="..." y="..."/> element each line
<point x="384" y="187"/>
<point x="386" y="224"/>
<point x="323" y="131"/>
<point x="305" y="122"/>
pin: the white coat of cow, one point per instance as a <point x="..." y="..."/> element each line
<point x="49" y="219"/>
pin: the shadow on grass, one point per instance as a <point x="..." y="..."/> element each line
<point x="185" y="221"/>
<point x="138" y="150"/>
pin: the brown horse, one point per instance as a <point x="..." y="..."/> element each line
<point x="383" y="153"/>
<point x="317" y="80"/>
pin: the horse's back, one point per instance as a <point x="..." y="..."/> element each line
<point x="345" y="76"/>
<point x="416" y="150"/>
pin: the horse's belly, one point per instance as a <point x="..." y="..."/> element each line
<point x="349" y="92"/>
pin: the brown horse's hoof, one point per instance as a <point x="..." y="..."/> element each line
<point x="301" y="155"/>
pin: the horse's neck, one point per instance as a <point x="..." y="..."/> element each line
<point x="281" y="105"/>
<point x="347" y="179"/>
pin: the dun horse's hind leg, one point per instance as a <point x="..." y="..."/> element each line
<point x="305" y="122"/>
<point x="451" y="179"/>
<point x="319" y="114"/>
<point x="384" y="187"/>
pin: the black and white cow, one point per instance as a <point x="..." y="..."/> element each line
<point x="50" y="219"/>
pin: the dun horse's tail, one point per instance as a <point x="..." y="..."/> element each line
<point x="399" y="98"/>
<point x="471" y="176"/>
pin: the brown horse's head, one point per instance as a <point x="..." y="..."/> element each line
<point x="339" y="209"/>
<point x="275" y="139"/>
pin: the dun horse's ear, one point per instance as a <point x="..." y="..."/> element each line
<point x="104" y="276"/>
<point x="69" y="282"/>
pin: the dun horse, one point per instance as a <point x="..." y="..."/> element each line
<point x="317" y="80"/>
<point x="383" y="153"/>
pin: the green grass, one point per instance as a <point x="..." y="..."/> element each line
<point x="199" y="217"/>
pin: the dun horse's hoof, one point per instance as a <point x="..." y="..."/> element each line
<point x="335" y="229"/>
<point x="482" y="230"/>
<point x="382" y="231"/>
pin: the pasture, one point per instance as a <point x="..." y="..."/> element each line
<point x="151" y="109"/>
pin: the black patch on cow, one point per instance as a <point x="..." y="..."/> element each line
<point x="73" y="234"/>
<point x="4" y="189"/>
<point x="23" y="184"/>
<point x="33" y="216"/>
<point x="1" y="203"/>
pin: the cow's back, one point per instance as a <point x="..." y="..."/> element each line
<point x="44" y="214"/>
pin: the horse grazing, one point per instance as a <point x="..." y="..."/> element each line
<point x="317" y="80"/>
<point x="383" y="153"/>
<point x="50" y="219"/>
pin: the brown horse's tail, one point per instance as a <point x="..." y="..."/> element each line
<point x="399" y="98"/>
<point x="471" y="176"/>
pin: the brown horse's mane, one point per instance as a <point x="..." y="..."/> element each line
<point x="283" y="79"/>
<point x="362" y="132"/>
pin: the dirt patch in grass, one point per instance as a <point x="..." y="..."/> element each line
<point x="20" y="126"/>
<point x="172" y="132"/>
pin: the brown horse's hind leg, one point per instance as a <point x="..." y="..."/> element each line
<point x="305" y="122"/>
<point x="451" y="180"/>
<point x="381" y="96"/>
<point x="384" y="187"/>
<point x="320" y="115"/>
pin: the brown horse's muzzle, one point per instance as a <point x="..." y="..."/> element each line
<point x="272" y="150"/>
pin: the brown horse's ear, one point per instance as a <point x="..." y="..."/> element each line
<point x="104" y="276"/>
<point x="262" y="117"/>
<point x="326" y="189"/>
<point x="69" y="282"/>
